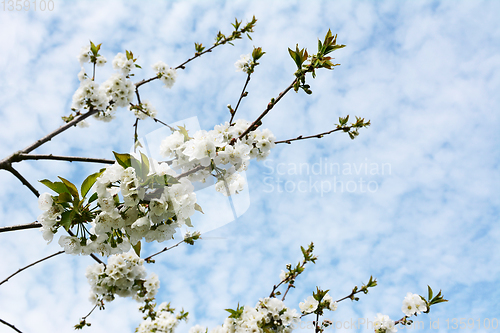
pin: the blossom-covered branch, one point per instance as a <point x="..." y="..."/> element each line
<point x="221" y="39"/>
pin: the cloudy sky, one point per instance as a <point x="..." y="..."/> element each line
<point x="413" y="201"/>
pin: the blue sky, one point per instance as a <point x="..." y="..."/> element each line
<point x="426" y="73"/>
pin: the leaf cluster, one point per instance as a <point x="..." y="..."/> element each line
<point x="306" y="63"/>
<point x="364" y="289"/>
<point x="239" y="30"/>
<point x="77" y="211"/>
<point x="353" y="128"/>
<point x="431" y="299"/>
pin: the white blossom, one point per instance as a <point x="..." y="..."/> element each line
<point x="166" y="74"/>
<point x="243" y="63"/>
<point x="383" y="323"/>
<point x="309" y="305"/>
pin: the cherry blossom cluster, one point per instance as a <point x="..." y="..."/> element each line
<point x="383" y="324"/>
<point x="125" y="276"/>
<point x="123" y="63"/>
<point x="207" y="150"/>
<point x="116" y="91"/>
<point x="143" y="110"/>
<point x="166" y="74"/>
<point x="165" y="320"/>
<point x="269" y="315"/>
<point x="413" y="304"/>
<point x="310" y="304"/>
<point x="129" y="209"/>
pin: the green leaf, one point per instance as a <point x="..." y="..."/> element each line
<point x="93" y="197"/>
<point x="184" y="132"/>
<point x="137" y="248"/>
<point x="295" y="56"/>
<point x="95" y="48"/>
<point x="429" y="290"/>
<point x="71" y="187"/>
<point x="89" y="182"/>
<point x="144" y="166"/>
<point x="188" y="222"/>
<point x="138" y="66"/>
<point x="57" y="187"/>
<point x="64" y="197"/>
<point x="198" y="208"/>
<point x="123" y="160"/>
<point x="66" y="218"/>
<point x="170" y="180"/>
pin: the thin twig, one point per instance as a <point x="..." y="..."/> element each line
<point x="95" y="306"/>
<point x="22" y="157"/>
<point x="187" y="173"/>
<point x="286" y="292"/>
<point x="239" y="100"/>
<point x="136" y="136"/>
<point x="22" y="179"/>
<point x="28" y="266"/>
<point x="269" y="107"/>
<point x="148" y="259"/>
<point x="318" y="136"/>
<point x="165" y="124"/>
<point x="10" y="325"/>
<point x="61" y="129"/>
<point x="182" y="66"/>
<point x="32" y="225"/>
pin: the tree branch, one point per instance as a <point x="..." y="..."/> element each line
<point x="10" y="325"/>
<point x="32" y="225"/>
<point x="239" y="100"/>
<point x="22" y="179"/>
<point x="196" y="55"/>
<point x="58" y="131"/>
<point x="269" y="107"/>
<point x="21" y="157"/>
<point x="148" y="259"/>
<point x="318" y="136"/>
<point x="28" y="266"/>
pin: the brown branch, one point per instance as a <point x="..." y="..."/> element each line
<point x="187" y="173"/>
<point x="32" y="225"/>
<point x="239" y="100"/>
<point x="21" y="157"/>
<point x="318" y="136"/>
<point x="58" y="131"/>
<point x="32" y="264"/>
<point x="6" y="163"/>
<point x="196" y="55"/>
<point x="269" y="107"/>
<point x="22" y="179"/>
<point x="181" y="66"/>
<point x="10" y="325"/>
<point x="148" y="259"/>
